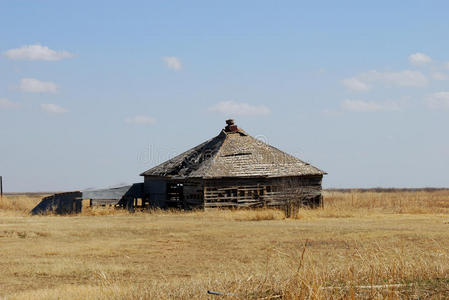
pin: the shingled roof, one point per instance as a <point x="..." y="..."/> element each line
<point x="233" y="153"/>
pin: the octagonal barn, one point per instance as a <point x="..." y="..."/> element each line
<point x="233" y="169"/>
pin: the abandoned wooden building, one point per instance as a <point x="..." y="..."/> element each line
<point x="233" y="169"/>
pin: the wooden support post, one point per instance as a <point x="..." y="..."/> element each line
<point x="130" y="204"/>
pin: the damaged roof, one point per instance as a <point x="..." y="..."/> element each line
<point x="233" y="153"/>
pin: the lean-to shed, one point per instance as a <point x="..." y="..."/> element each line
<point x="233" y="169"/>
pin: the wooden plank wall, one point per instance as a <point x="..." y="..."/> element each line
<point x="62" y="203"/>
<point x="193" y="195"/>
<point x="237" y="192"/>
<point x="185" y="195"/>
<point x="103" y="202"/>
<point x="259" y="192"/>
<point x="156" y="191"/>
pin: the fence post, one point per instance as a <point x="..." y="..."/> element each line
<point x="1" y="186"/>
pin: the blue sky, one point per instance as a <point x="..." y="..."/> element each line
<point x="94" y="92"/>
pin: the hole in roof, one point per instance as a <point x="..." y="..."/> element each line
<point x="237" y="154"/>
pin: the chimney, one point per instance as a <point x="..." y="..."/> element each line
<point x="231" y="127"/>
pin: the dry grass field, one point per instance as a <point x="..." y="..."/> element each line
<point x="360" y="245"/>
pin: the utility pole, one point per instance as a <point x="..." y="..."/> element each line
<point x="1" y="186"/>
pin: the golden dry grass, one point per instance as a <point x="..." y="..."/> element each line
<point x="360" y="245"/>
<point x="19" y="204"/>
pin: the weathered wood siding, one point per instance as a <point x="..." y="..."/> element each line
<point x="259" y="192"/>
<point x="193" y="195"/>
<point x="61" y="203"/>
<point x="234" y="192"/>
<point x="156" y="190"/>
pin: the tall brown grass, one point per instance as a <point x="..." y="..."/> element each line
<point x="389" y="202"/>
<point x="335" y="204"/>
<point x="360" y="245"/>
<point x="19" y="204"/>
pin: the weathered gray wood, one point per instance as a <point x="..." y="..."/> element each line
<point x="103" y="202"/>
<point x="156" y="190"/>
<point x="244" y="192"/>
<point x="233" y="169"/>
<point x="62" y="203"/>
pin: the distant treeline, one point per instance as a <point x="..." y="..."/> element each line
<point x="30" y="194"/>
<point x="387" y="190"/>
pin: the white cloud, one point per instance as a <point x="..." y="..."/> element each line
<point x="31" y="85"/>
<point x="173" y="62"/>
<point x="5" y="103"/>
<point x="234" y="108"/>
<point x="405" y="78"/>
<point x="144" y="120"/>
<point x="368" y="106"/>
<point x="419" y="59"/>
<point x="440" y="76"/>
<point x="355" y="84"/>
<point x="53" y="109"/>
<point x="438" y="100"/>
<point x="36" y="52"/>
<point x="399" y="78"/>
